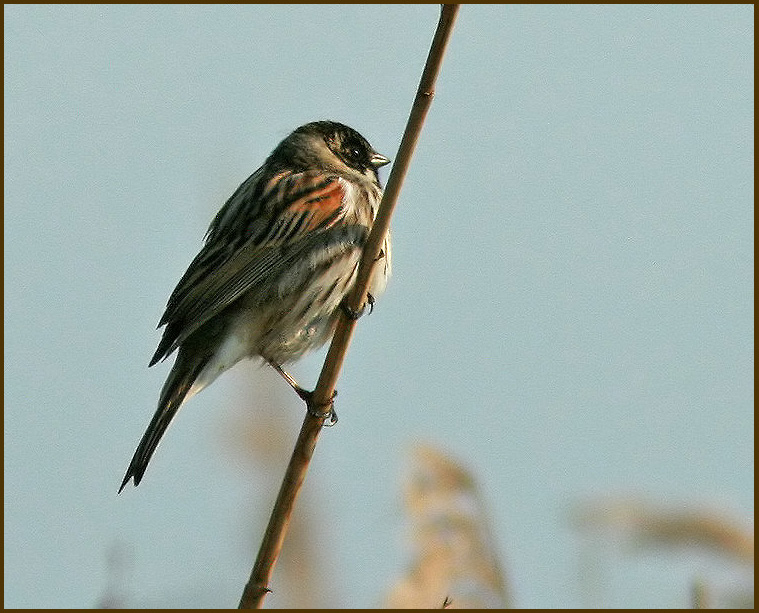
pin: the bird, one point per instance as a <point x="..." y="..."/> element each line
<point x="278" y="260"/>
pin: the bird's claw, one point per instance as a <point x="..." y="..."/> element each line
<point x="370" y="302"/>
<point x="329" y="415"/>
<point x="354" y="314"/>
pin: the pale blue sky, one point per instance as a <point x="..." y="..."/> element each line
<point x="571" y="312"/>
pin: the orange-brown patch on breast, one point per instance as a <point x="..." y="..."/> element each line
<point x="321" y="204"/>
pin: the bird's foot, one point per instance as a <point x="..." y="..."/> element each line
<point x="316" y="410"/>
<point x="354" y="314"/>
<point x="324" y="411"/>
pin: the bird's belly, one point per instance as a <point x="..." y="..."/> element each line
<point x="295" y="319"/>
<point x="305" y="320"/>
<point x="299" y="316"/>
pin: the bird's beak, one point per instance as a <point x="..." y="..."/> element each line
<point x="378" y="160"/>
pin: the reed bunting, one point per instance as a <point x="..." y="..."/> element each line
<point x="278" y="260"/>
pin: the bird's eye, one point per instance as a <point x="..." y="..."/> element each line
<point x="352" y="151"/>
<point x="353" y="154"/>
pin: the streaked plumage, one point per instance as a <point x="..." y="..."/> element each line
<point x="279" y="258"/>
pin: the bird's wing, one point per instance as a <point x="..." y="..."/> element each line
<point x="256" y="237"/>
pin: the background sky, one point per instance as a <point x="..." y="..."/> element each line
<point x="570" y="316"/>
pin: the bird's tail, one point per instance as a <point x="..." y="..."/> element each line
<point x="174" y="393"/>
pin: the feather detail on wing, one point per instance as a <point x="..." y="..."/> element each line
<point x="305" y="202"/>
<point x="263" y="230"/>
